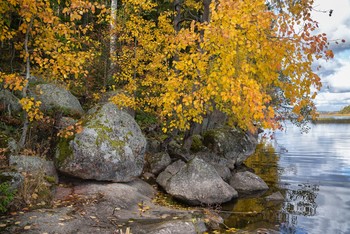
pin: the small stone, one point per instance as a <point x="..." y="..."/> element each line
<point x="277" y="196"/>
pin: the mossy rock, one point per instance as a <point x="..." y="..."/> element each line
<point x="63" y="151"/>
<point x="197" y="143"/>
<point x="110" y="147"/>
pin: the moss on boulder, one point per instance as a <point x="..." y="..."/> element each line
<point x="111" y="147"/>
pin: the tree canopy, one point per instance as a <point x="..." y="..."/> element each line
<point x="248" y="59"/>
<point x="180" y="60"/>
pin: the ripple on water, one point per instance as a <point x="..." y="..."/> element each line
<point x="312" y="171"/>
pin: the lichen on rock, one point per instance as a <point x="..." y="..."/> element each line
<point x="110" y="147"/>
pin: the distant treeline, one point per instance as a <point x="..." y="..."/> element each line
<point x="345" y="110"/>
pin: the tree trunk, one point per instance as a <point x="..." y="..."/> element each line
<point x="113" y="36"/>
<point x="188" y="138"/>
<point x="22" y="140"/>
<point x="177" y="18"/>
<point x="206" y="10"/>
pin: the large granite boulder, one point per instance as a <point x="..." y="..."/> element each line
<point x="56" y="98"/>
<point x="247" y="183"/>
<point x="217" y="161"/>
<point x="110" y="147"/>
<point x="231" y="145"/>
<point x="195" y="183"/>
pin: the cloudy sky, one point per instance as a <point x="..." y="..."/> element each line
<point x="335" y="74"/>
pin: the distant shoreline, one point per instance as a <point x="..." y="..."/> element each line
<point x="332" y="118"/>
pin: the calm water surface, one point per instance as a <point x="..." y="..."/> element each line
<point x="312" y="171"/>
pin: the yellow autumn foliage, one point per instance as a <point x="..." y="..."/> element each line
<point x="250" y="62"/>
<point x="32" y="108"/>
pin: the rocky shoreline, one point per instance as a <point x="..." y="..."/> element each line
<point x="109" y="155"/>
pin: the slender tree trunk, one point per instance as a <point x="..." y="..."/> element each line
<point x="22" y="140"/>
<point x="177" y="4"/>
<point x="188" y="138"/>
<point x="206" y="10"/>
<point x="113" y="38"/>
<point x="177" y="19"/>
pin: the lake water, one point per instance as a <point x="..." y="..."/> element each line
<point x="312" y="171"/>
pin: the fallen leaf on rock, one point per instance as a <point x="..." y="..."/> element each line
<point x="27" y="227"/>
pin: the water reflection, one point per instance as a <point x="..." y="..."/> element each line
<point x="251" y="213"/>
<point x="301" y="200"/>
<point x="312" y="171"/>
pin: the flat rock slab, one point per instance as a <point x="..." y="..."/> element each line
<point x="98" y="207"/>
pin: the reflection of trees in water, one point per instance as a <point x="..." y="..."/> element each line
<point x="299" y="201"/>
<point x="252" y="213"/>
<point x="265" y="164"/>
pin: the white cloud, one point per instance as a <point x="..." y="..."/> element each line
<point x="340" y="15"/>
<point x="327" y="101"/>
<point x="335" y="74"/>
